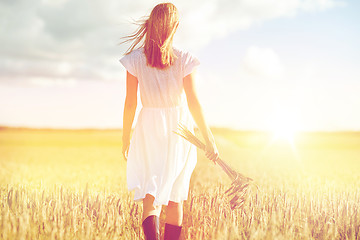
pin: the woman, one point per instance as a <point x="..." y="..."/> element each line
<point x="159" y="162"/>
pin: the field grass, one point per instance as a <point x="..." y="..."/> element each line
<point x="63" y="184"/>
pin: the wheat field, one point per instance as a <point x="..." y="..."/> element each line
<point x="71" y="184"/>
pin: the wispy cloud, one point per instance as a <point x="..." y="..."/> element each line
<point x="208" y="20"/>
<point x="262" y="62"/>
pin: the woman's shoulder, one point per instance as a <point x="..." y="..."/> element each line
<point x="182" y="53"/>
<point x="136" y="51"/>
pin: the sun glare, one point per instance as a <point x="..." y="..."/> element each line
<point x="284" y="126"/>
<point x="284" y="132"/>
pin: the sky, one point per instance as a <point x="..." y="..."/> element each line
<point x="265" y="64"/>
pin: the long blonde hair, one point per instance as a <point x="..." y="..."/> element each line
<point x="158" y="31"/>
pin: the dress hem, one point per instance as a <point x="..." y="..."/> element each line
<point x="157" y="203"/>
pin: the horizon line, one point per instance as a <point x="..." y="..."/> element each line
<point x="4" y="127"/>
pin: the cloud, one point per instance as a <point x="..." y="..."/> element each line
<point x="215" y="19"/>
<point x="45" y="82"/>
<point x="262" y="62"/>
<point x="314" y="5"/>
<point x="78" y="39"/>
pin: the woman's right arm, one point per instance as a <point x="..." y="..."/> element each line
<point x="129" y="110"/>
<point x="198" y="115"/>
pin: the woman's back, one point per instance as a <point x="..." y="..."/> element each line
<point x="160" y="88"/>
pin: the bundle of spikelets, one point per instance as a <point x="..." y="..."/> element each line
<point x="240" y="183"/>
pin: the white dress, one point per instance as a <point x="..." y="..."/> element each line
<point x="159" y="161"/>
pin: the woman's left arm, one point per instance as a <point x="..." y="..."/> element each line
<point x="129" y="110"/>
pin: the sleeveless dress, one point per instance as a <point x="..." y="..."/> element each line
<point x="159" y="161"/>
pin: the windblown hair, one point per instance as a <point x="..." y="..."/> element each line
<point x="157" y="31"/>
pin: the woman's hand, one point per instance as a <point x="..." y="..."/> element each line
<point x="125" y="147"/>
<point x="211" y="151"/>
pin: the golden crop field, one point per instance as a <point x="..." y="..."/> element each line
<point x="71" y="184"/>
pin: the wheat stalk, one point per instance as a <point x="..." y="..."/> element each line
<point x="240" y="183"/>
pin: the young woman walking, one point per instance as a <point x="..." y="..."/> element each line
<point x="159" y="162"/>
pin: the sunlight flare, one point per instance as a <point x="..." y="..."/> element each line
<point x="284" y="125"/>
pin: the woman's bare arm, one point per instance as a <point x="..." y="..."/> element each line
<point x="129" y="110"/>
<point x="198" y="115"/>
